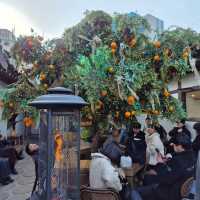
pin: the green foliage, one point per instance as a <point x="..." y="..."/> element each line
<point x="95" y="23"/>
<point x="111" y="63"/>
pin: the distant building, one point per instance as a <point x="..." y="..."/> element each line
<point x="156" y="24"/>
<point x="7" y="39"/>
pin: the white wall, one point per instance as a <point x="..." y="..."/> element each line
<point x="189" y="81"/>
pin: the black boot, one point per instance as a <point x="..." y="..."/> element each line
<point x="14" y="172"/>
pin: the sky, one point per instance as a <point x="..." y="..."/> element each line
<point x="51" y="17"/>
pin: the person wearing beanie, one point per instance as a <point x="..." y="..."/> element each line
<point x="136" y="145"/>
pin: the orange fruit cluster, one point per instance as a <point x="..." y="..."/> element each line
<point x="133" y="42"/>
<point x="131" y="100"/>
<point x="113" y="46"/>
<point x="104" y="93"/>
<point x="157" y="44"/>
<point x="42" y="76"/>
<point x="166" y="93"/>
<point x="156" y="58"/>
<point x="28" y="122"/>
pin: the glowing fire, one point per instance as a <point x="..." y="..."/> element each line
<point x="58" y="146"/>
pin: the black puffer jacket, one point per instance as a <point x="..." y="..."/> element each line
<point x="175" y="132"/>
<point x="136" y="147"/>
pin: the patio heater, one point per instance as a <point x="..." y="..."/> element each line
<point x="59" y="143"/>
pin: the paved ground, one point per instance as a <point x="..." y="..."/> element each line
<point x="21" y="188"/>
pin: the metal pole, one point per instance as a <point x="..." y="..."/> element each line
<point x="49" y="155"/>
<point x="78" y="152"/>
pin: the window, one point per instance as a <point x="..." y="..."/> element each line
<point x="193" y="104"/>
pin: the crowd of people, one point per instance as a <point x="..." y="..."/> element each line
<point x="169" y="159"/>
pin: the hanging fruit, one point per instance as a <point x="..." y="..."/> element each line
<point x="166" y="93"/>
<point x="133" y="113"/>
<point x="42" y="76"/>
<point x="127" y="114"/>
<point x="131" y="100"/>
<point x="171" y="108"/>
<point x="117" y="114"/>
<point x="11" y="105"/>
<point x="157" y="44"/>
<point x="133" y="42"/>
<point x="28" y="122"/>
<point x="113" y="45"/>
<point x="156" y="58"/>
<point x="166" y="52"/>
<point x="46" y="86"/>
<point x="104" y="93"/>
<point x="113" y="51"/>
<point x="185" y="55"/>
<point x="155" y="112"/>
<point x="51" y="67"/>
<point x="110" y="70"/>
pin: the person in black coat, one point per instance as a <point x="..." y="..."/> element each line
<point x="136" y="145"/>
<point x="170" y="175"/>
<point x="176" y="131"/>
<point x="180" y="128"/>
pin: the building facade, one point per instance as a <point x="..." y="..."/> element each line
<point x="7" y="39"/>
<point x="156" y="25"/>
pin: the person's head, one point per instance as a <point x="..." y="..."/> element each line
<point x="135" y="127"/>
<point x="182" y="143"/>
<point x="148" y="121"/>
<point x="180" y="123"/>
<point x="116" y="134"/>
<point x="31" y="149"/>
<point x="196" y="127"/>
<point x="113" y="152"/>
<point x="151" y="129"/>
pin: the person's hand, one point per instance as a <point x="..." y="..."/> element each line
<point x="159" y="158"/>
<point x="121" y="173"/>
